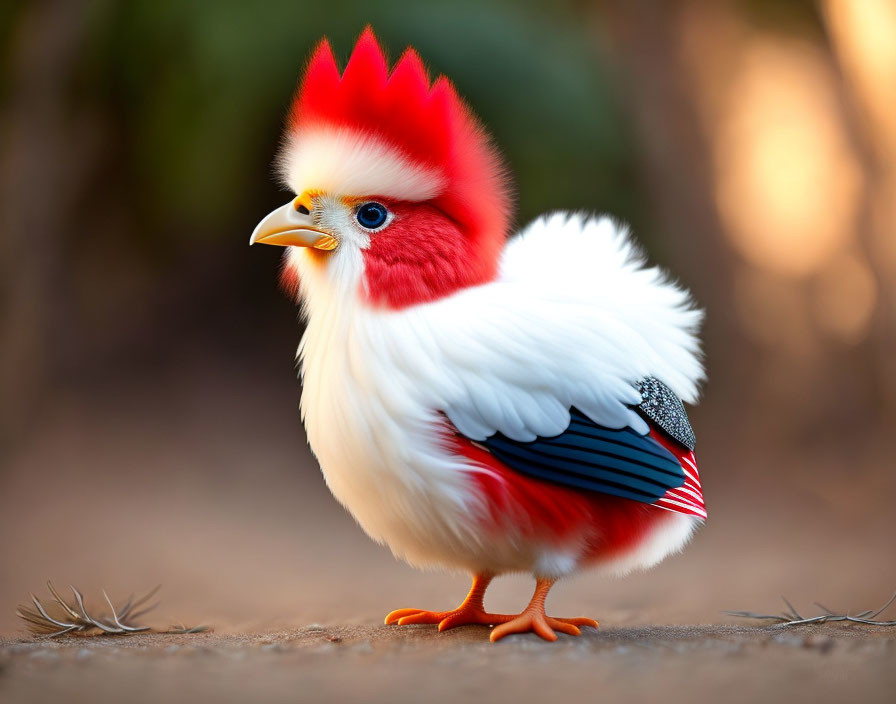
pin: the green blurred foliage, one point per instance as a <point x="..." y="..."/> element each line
<point x="194" y="94"/>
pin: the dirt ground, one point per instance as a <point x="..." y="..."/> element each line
<point x="200" y="478"/>
<point x="416" y="664"/>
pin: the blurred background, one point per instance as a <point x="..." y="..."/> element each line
<point x="149" y="418"/>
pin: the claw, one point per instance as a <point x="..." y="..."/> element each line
<point x="533" y="621"/>
<point x="464" y="615"/>
<point x="422" y="617"/>
<point x="472" y="612"/>
<point x="396" y="615"/>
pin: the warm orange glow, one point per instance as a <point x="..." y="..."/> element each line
<point x="864" y="36"/>
<point x="788" y="182"/>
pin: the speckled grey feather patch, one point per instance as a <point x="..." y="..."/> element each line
<point x="665" y="409"/>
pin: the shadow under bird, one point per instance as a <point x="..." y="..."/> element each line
<point x="477" y="403"/>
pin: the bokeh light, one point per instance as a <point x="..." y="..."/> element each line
<point x="788" y="182"/>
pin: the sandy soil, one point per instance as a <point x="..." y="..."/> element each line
<point x="413" y="664"/>
<point x="200" y="479"/>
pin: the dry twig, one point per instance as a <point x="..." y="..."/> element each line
<point x="182" y="629"/>
<point x="792" y="617"/>
<point x="61" y="617"/>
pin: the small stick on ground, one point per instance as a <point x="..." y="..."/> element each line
<point x="73" y="617"/>
<point x="792" y="617"/>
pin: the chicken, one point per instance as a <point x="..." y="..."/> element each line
<point x="477" y="403"/>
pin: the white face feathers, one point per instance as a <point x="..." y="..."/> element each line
<point x="349" y="162"/>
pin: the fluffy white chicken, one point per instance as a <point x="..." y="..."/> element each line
<point x="476" y="403"/>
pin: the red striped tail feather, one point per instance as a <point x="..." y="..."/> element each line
<point x="687" y="498"/>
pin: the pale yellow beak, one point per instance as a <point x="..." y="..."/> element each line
<point x="287" y="227"/>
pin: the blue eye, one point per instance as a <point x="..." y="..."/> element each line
<point x="371" y="215"/>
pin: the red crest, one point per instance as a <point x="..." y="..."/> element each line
<point x="427" y="123"/>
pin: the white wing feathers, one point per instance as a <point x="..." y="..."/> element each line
<point x="593" y="261"/>
<point x="574" y="319"/>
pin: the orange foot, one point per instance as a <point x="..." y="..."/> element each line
<point x="470" y="612"/>
<point x="464" y="615"/>
<point x="540" y="623"/>
<point x="533" y="619"/>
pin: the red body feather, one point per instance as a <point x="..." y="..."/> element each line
<point x="423" y="255"/>
<point x="610" y="525"/>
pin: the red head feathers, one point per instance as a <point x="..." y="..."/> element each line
<point x="369" y="132"/>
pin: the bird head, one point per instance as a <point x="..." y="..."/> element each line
<point x="399" y="196"/>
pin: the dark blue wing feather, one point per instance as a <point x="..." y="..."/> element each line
<point x="588" y="456"/>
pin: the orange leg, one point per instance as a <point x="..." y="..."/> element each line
<point x="470" y="612"/>
<point x="534" y="619"/>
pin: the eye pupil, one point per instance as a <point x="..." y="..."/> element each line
<point x="371" y="215"/>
